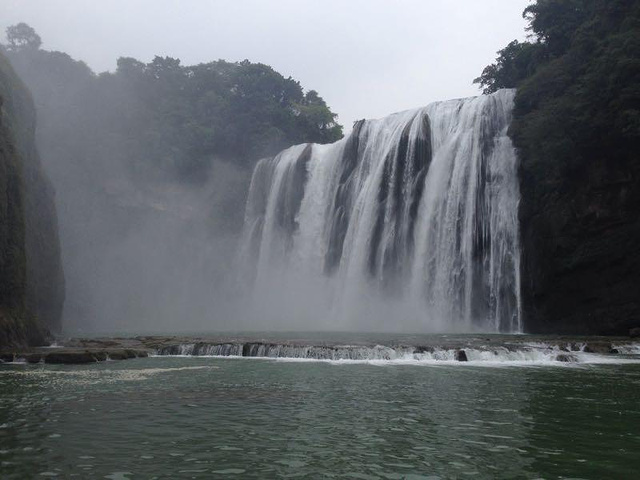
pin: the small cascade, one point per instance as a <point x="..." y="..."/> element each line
<point x="520" y="353"/>
<point x="202" y="349"/>
<point x="409" y="223"/>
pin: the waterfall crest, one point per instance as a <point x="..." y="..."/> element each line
<point x="408" y="223"/>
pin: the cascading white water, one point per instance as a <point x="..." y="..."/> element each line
<point x="462" y="349"/>
<point x="409" y="223"/>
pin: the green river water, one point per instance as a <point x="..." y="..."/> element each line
<point x="253" y="418"/>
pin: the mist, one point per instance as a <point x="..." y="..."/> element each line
<point x="161" y="261"/>
<point x="152" y="159"/>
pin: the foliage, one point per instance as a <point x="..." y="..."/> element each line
<point x="165" y="119"/>
<point x="578" y="83"/>
<point x="22" y="37"/>
<point x="554" y="22"/>
<point x="515" y="62"/>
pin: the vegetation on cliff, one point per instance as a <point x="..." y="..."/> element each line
<point x="577" y="129"/>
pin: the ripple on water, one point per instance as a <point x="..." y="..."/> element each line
<point x="93" y="376"/>
<point x="262" y="419"/>
<point x="118" y="476"/>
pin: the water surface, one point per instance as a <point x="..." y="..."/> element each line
<point x="252" y="418"/>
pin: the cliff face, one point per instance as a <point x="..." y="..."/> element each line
<point x="580" y="235"/>
<point x="31" y="278"/>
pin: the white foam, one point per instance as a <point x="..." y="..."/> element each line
<point x="628" y="349"/>
<point x="528" y="354"/>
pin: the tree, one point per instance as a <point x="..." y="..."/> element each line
<point x="165" y="120"/>
<point x="555" y="22"/>
<point x="130" y="67"/>
<point x="322" y="124"/>
<point x="22" y="37"/>
<point x="514" y="63"/>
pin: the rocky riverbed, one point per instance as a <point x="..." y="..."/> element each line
<point x="458" y="348"/>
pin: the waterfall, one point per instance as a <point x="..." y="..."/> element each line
<point x="408" y="223"/>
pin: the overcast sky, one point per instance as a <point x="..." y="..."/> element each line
<point x="367" y="58"/>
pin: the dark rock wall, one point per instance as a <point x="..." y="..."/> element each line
<point x="581" y="246"/>
<point x="31" y="278"/>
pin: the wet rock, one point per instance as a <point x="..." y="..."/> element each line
<point x="614" y="351"/>
<point x="100" y="356"/>
<point x="121" y="354"/>
<point x="566" y="358"/>
<point x="93" y="343"/>
<point x="598" y="347"/>
<point x="117" y="355"/>
<point x="71" y="357"/>
<point x="461" y="356"/>
<point x="33" y="358"/>
<point x="169" y="350"/>
<point x="422" y="349"/>
<point x="579" y="234"/>
<point x="6" y="357"/>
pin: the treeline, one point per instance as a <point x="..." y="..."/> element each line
<point x="163" y="119"/>
<point x="578" y="81"/>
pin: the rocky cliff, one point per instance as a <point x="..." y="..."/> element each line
<point x="580" y="235"/>
<point x="31" y="278"/>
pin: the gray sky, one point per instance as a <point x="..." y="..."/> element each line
<point x="367" y="58"/>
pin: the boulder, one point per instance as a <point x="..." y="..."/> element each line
<point x="461" y="356"/>
<point x="6" y="357"/>
<point x="100" y="356"/>
<point x="566" y="358"/>
<point x="422" y="349"/>
<point x="598" y="347"/>
<point x="33" y="358"/>
<point x="119" y="354"/>
<point x="122" y="354"/>
<point x="71" y="357"/>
